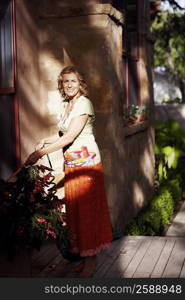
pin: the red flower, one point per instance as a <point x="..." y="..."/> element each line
<point x="41" y="220"/>
<point x="49" y="231"/>
<point x="47" y="177"/>
<point x="38" y="187"/>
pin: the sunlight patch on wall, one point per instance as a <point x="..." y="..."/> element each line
<point x="54" y="104"/>
<point x="138" y="194"/>
<point x="50" y="69"/>
<point x="147" y="166"/>
<point x="145" y="94"/>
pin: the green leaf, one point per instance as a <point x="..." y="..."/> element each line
<point x="171" y="156"/>
<point x="160" y="171"/>
<point x="157" y="149"/>
<point x="164" y="173"/>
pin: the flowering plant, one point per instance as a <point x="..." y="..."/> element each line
<point x="135" y="113"/>
<point x="30" y="211"/>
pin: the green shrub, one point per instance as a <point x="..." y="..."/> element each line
<point x="175" y="187"/>
<point x="170" y="175"/>
<point x="134" y="228"/>
<point x="163" y="205"/>
<point x="154" y="218"/>
<point x="169" y="142"/>
<point x="150" y="222"/>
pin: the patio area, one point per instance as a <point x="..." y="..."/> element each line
<point x="128" y="257"/>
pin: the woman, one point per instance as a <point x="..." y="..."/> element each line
<point x="86" y="206"/>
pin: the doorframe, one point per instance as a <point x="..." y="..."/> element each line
<point x="15" y="98"/>
<point x="12" y="91"/>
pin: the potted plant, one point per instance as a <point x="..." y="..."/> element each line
<point x="133" y="114"/>
<point x="143" y="113"/>
<point x="30" y="212"/>
<point x="129" y="115"/>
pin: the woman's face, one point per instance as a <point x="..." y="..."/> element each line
<point x="71" y="85"/>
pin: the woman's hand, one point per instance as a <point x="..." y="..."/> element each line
<point x="33" y="158"/>
<point x="40" y="145"/>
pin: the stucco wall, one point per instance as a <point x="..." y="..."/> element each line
<point x="139" y="170"/>
<point x="53" y="35"/>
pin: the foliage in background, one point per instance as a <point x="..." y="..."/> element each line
<point x="170" y="177"/>
<point x="169" y="144"/>
<point x="30" y="211"/>
<point x="154" y="218"/>
<point x="169" y="48"/>
<point x="174" y="4"/>
<point x="175" y="100"/>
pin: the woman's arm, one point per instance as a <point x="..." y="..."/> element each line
<point x="74" y="129"/>
<point x="48" y="140"/>
<point x="51" y="139"/>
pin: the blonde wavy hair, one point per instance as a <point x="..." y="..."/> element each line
<point x="68" y="70"/>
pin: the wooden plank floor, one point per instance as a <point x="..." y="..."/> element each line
<point x="128" y="257"/>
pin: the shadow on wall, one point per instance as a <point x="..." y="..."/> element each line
<point x="58" y="39"/>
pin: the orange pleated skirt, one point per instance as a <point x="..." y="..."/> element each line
<point x="88" y="219"/>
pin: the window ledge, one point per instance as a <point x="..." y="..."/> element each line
<point x="136" y="128"/>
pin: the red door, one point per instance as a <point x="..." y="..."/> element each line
<point x="9" y="131"/>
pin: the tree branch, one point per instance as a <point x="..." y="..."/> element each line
<point x="174" y="4"/>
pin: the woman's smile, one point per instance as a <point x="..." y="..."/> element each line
<point x="71" y="85"/>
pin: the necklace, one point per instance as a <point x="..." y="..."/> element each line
<point x="68" y="109"/>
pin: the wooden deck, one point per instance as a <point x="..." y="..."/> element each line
<point x="128" y="257"/>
